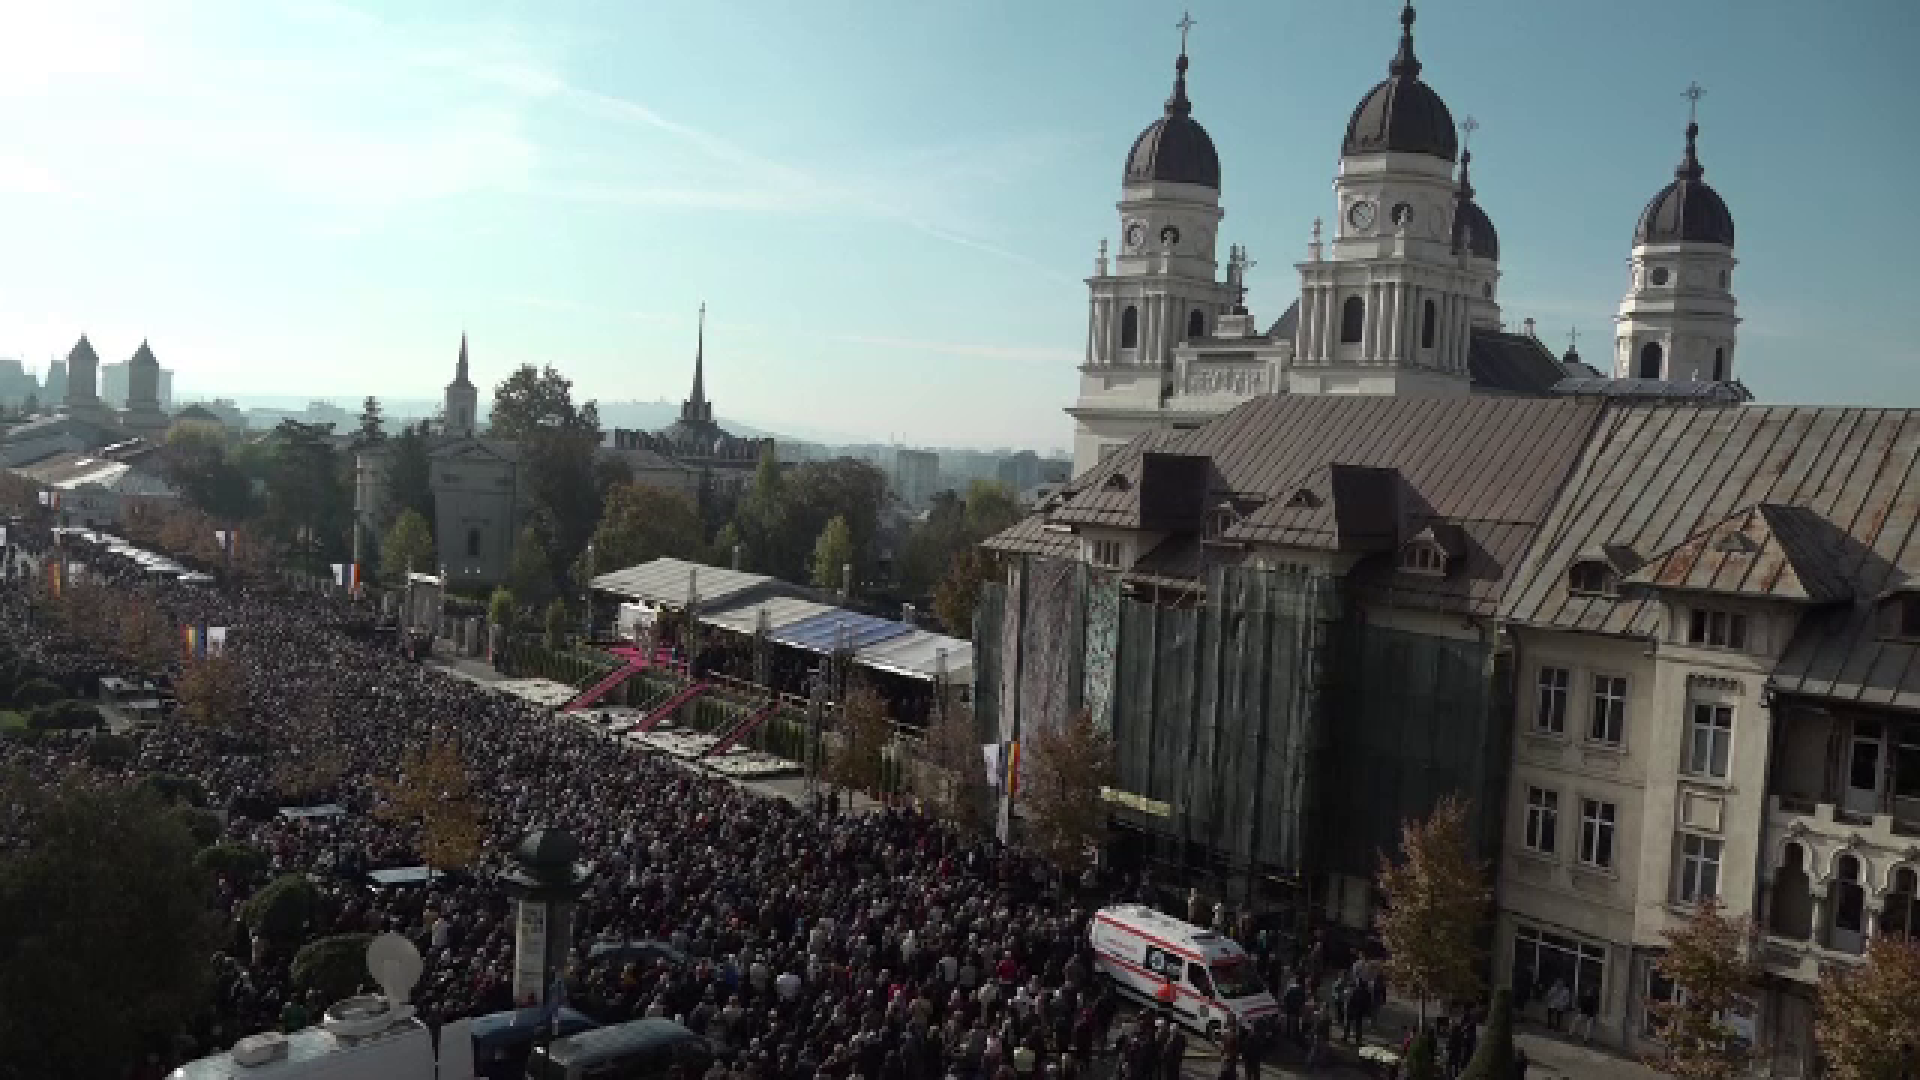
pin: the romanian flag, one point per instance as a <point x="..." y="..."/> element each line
<point x="56" y="575"/>
<point x="195" y="639"/>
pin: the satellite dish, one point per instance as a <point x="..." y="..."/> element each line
<point x="395" y="964"/>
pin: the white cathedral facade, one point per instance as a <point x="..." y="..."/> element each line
<point x="1401" y="299"/>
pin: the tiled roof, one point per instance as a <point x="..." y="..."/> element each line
<point x="1503" y="363"/>
<point x="1782" y="552"/>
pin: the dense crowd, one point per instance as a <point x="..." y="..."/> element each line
<point x="879" y="945"/>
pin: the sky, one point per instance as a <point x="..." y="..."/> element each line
<point x="889" y="208"/>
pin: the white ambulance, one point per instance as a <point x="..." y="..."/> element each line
<point x="1201" y="977"/>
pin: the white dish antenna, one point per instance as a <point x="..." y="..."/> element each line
<point x="395" y="964"/>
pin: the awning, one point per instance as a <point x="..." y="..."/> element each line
<point x="916" y="655"/>
<point x="664" y="583"/>
<point x="743" y="616"/>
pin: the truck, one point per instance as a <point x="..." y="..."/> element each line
<point x="1197" y="976"/>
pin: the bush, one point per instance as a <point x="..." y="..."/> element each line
<point x="500" y="609"/>
<point x="108" y="751"/>
<point x="238" y="863"/>
<point x="67" y="716"/>
<point x="333" y="967"/>
<point x="35" y="693"/>
<point x="1493" y="1057"/>
<point x="204" y="825"/>
<point x="280" y="911"/>
<point x="1423" y="1060"/>
<point x="176" y="789"/>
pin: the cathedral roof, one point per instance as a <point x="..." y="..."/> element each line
<point x="82" y="353"/>
<point x="1686" y="211"/>
<point x="144" y="355"/>
<point x="1175" y="149"/>
<point x="1401" y="114"/>
<point x="1283" y="328"/>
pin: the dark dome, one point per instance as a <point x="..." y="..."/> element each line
<point x="548" y="854"/>
<point x="1686" y="211"/>
<point x="1175" y="149"/>
<point x="1472" y="228"/>
<point x="1402" y="115"/>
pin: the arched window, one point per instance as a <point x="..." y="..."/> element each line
<point x="1353" y="320"/>
<point x="1791" y="910"/>
<point x="1901" y="916"/>
<point x="1196" y="325"/>
<point x="1650" y="358"/>
<point x="1849" y="906"/>
<point x="1427" y="319"/>
<point x="1720" y="365"/>
<point x="1130" y="328"/>
<point x="473" y="543"/>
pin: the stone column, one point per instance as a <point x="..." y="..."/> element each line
<point x="1309" y="323"/>
<point x="1822" y="914"/>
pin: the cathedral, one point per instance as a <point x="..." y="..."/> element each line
<point x="1400" y="297"/>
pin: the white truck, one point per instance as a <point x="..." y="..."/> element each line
<point x="1198" y="976"/>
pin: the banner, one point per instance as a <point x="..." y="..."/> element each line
<point x="195" y="639"/>
<point x="216" y="640"/>
<point x="227" y="540"/>
<point x="991" y="752"/>
<point x="50" y="500"/>
<point x="1013" y="770"/>
<point x="339" y="573"/>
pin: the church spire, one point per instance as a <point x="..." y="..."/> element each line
<point x="1178" y="105"/>
<point x="460" y="368"/>
<point x="697" y="407"/>
<point x="1405" y="65"/>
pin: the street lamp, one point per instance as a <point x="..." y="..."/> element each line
<point x="586" y="595"/>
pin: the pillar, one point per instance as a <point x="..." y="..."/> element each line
<point x="1821" y="915"/>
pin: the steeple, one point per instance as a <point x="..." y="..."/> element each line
<point x="460" y="368"/>
<point x="1405" y="65"/>
<point x="463" y="401"/>
<point x="696" y="410"/>
<point x="1178" y="105"/>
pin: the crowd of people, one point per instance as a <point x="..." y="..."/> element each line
<point x="883" y="945"/>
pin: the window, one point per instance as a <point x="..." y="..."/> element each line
<point x="1717" y="629"/>
<point x="1900" y="616"/>
<point x="1608" y="724"/>
<point x="1163" y="963"/>
<point x="1660" y="991"/>
<point x="1218" y="521"/>
<point x="1720" y="365"/>
<point x="1198" y="978"/>
<point x="1659" y="275"/>
<point x="1353" y="320"/>
<point x="1592" y="578"/>
<point x="1725" y="278"/>
<point x="1550" y="714"/>
<point x="1900" y="917"/>
<point x="1699" y="867"/>
<point x="1709" y="739"/>
<point x="1597" y="820"/>
<point x="1543" y="814"/>
<point x="1849" y="899"/>
<point x="1426" y="326"/>
<point x="1130" y="328"/>
<point x="1650" y="360"/>
<point x="1542" y="958"/>
<point x="473" y="543"/>
<point x="1196" y="325"/>
<point x="1105" y="552"/>
<point x="1423" y="558"/>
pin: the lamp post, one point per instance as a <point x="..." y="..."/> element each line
<point x="586" y="595"/>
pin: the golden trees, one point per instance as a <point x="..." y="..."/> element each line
<point x="1708" y="962"/>
<point x="209" y="690"/>
<point x="431" y="790"/>
<point x="1868" y="1025"/>
<point x="958" y="773"/>
<point x="1436" y="904"/>
<point x="860" y="763"/>
<point x="1062" y="774"/>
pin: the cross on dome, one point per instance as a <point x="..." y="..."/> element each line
<point x="1693" y="93"/>
<point x="1185" y="24"/>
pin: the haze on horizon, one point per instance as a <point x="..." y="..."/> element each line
<point x="887" y="208"/>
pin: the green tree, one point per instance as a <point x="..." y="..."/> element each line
<point x="1493" y="1054"/>
<point x="279" y="912"/>
<point x="307" y="501"/>
<point x="103" y="915"/>
<point x="757" y="520"/>
<point x="833" y="550"/>
<point x="557" y="450"/>
<point x="372" y="429"/>
<point x="990" y="508"/>
<point x="195" y="462"/>
<point x="1063" y="768"/>
<point x="645" y="523"/>
<point x="332" y="967"/>
<point x="535" y="400"/>
<point x="1436" y="905"/>
<point x="1868" y="1024"/>
<point x="240" y="864"/>
<point x="556" y="623"/>
<point x="407" y="548"/>
<point x="1709" y="964"/>
<point x="410" y="474"/>
<point x="500" y="608"/>
<point x="530" y="569"/>
<point x="959" y="592"/>
<point x="1423" y="1058"/>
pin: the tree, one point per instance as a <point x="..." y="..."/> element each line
<point x="372" y="429"/>
<point x="860" y="764"/>
<point x="103" y="915"/>
<point x="990" y="508"/>
<point x="307" y="500"/>
<point x="1868" y="1023"/>
<point x="641" y="524"/>
<point x="556" y="623"/>
<point x="240" y="864"/>
<point x="531" y="401"/>
<point x="530" y="569"/>
<point x="557" y="443"/>
<point x="831" y="552"/>
<point x="432" y="791"/>
<point x="210" y="690"/>
<point x="407" y="548"/>
<point x="500" y="608"/>
<point x="1708" y="963"/>
<point x="144" y="637"/>
<point x="410" y="474"/>
<point x="1493" y="1054"/>
<point x="196" y="463"/>
<point x="332" y="967"/>
<point x="959" y="592"/>
<point x="959" y="772"/>
<point x="279" y="912"/>
<point x="1436" y="906"/>
<point x="1423" y="1058"/>
<point x="1063" y="769"/>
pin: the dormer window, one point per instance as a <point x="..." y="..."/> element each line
<point x="1304" y="499"/>
<point x="1900" y="616"/>
<point x="1422" y="557"/>
<point x="1217" y="522"/>
<point x="1117" y="482"/>
<point x="1593" y="578"/>
<point x="1717" y="629"/>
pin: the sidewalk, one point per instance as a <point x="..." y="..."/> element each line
<point x="1550" y="1056"/>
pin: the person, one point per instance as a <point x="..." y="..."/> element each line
<point x="1321" y="1035"/>
<point x="1589" y="1011"/>
<point x="1520" y="1063"/>
<point x="1359" y="1003"/>
<point x="1293" y="1003"/>
<point x="1173" y="1050"/>
<point x="1461" y="1042"/>
<point x="1253" y="1047"/>
<point x="1558" y="998"/>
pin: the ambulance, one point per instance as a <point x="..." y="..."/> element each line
<point x="1199" y="976"/>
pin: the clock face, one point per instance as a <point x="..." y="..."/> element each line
<point x="1360" y="215"/>
<point x="1136" y="233"/>
<point x="1403" y="214"/>
<point x="1169" y="236"/>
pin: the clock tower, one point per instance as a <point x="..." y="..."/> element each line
<point x="1160" y="289"/>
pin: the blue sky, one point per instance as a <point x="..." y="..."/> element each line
<point x="887" y="206"/>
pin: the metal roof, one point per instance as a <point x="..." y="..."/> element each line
<point x="743" y="616"/>
<point x="1732" y="392"/>
<point x="1656" y="477"/>
<point x="916" y="654"/>
<point x="1503" y="363"/>
<point x="821" y="632"/>
<point x="664" y="582"/>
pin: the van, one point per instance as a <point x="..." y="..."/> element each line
<point x="647" y="1049"/>
<point x="1199" y="976"/>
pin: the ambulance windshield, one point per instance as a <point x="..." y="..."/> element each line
<point x="1235" y="979"/>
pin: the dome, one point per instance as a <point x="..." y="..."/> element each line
<point x="1472" y="228"/>
<point x="1686" y="211"/>
<point x="548" y="854"/>
<point x="1402" y="115"/>
<point x="1175" y="149"/>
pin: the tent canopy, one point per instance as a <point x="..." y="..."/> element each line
<point x="743" y="616"/>
<point x="916" y="654"/>
<point x="821" y="632"/>
<point x="664" y="583"/>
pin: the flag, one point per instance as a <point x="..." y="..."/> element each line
<point x="353" y="576"/>
<point x="226" y="540"/>
<point x="216" y="640"/>
<point x="339" y="573"/>
<point x="991" y="752"/>
<point x="188" y="638"/>
<point x="54" y="577"/>
<point x="1013" y="769"/>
